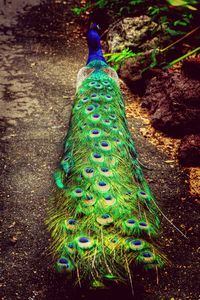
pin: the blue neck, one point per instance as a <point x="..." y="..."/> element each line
<point x="94" y="46"/>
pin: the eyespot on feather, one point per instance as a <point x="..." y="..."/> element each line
<point x="105" y="219"/>
<point x="84" y="242"/>
<point x="136" y="244"/>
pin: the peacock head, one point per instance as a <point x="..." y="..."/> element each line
<point x="93" y="38"/>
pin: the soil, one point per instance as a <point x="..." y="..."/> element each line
<point x="41" y="51"/>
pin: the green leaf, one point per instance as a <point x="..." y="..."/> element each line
<point x="173" y="32"/>
<point x="177" y="2"/>
<point x="135" y="2"/>
<point x="196" y="50"/>
<point x="155" y="10"/>
<point x="180" y="23"/>
<point x="153" y="58"/>
<point x="101" y="3"/>
<point x="185" y="3"/>
<point x="118" y="58"/>
<point x="164" y="20"/>
<point x="76" y="10"/>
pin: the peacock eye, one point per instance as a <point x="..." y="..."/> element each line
<point x="143" y="224"/>
<point x="104" y="169"/>
<point x="143" y="195"/>
<point x="101" y="183"/>
<point x="95" y="131"/>
<point x="71" y="222"/>
<point x="109" y="97"/>
<point x="131" y="221"/>
<point x="90" y="108"/>
<point x="129" y="193"/>
<point x="92" y="83"/>
<point x="98" y="86"/>
<point x="146" y="254"/>
<point x="105" y="216"/>
<point x="96" y="155"/>
<point x="137" y="243"/>
<point x="96" y="116"/>
<point x="64" y="261"/>
<point x="83" y="240"/>
<point x="89" y="170"/>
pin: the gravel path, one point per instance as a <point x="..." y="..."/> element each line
<point x="39" y="60"/>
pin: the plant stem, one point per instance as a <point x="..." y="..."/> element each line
<point x="182" y="57"/>
<point x="183" y="37"/>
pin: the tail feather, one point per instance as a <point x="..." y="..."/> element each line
<point x="104" y="217"/>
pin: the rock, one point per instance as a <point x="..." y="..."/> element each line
<point x="189" y="150"/>
<point x="135" y="72"/>
<point x="134" y="33"/>
<point x="174" y="103"/>
<point x="131" y="73"/>
<point x="12" y="122"/>
<point x="191" y="67"/>
<point x="13" y="239"/>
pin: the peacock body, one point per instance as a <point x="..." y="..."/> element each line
<point x="103" y="218"/>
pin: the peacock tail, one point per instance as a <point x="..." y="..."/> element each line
<point x="103" y="217"/>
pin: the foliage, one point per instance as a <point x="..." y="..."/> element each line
<point x="173" y="15"/>
<point x="183" y="3"/>
<point x="120" y="6"/>
<point x="196" y="50"/>
<point x="176" y="20"/>
<point x="118" y="58"/>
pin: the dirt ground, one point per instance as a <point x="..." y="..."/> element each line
<point x="40" y="55"/>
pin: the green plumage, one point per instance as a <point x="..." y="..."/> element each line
<point x="103" y="217"/>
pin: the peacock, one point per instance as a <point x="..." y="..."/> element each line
<point x="103" y="217"/>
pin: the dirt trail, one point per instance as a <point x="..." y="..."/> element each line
<point x="39" y="59"/>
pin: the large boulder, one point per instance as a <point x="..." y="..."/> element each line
<point x="134" y="33"/>
<point x="131" y="73"/>
<point x="191" y="67"/>
<point x="189" y="150"/>
<point x="174" y="103"/>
